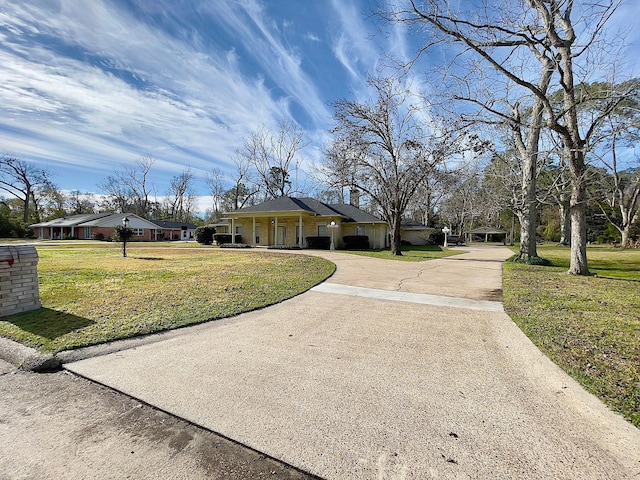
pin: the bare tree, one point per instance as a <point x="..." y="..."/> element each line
<point x="275" y="158"/>
<point x="542" y="30"/>
<point x="78" y="203"/>
<point x="381" y="148"/>
<point x="180" y="197"/>
<point x="620" y="191"/>
<point x="130" y="189"/>
<point x="23" y="181"/>
<point x="216" y="183"/>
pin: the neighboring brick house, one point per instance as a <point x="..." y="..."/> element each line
<point x="176" y="230"/>
<point x="96" y="226"/>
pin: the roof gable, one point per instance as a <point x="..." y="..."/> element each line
<point x="71" y="220"/>
<point x="312" y="206"/>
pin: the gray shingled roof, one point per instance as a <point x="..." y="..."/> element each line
<point x="354" y="214"/>
<point x="282" y="204"/>
<point x="311" y="205"/>
<point x="174" y="225"/>
<point x="71" y="220"/>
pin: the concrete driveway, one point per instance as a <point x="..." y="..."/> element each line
<point x="388" y="370"/>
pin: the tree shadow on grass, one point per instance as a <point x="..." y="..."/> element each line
<point x="48" y="323"/>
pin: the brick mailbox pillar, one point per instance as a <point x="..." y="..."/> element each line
<point x="18" y="279"/>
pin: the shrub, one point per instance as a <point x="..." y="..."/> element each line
<point x="98" y="236"/>
<point x="221" y="238"/>
<point x="122" y="233"/>
<point x="356" y="242"/>
<point x="204" y="235"/>
<point x="319" y="243"/>
<point x="234" y="245"/>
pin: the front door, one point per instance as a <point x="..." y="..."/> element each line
<point x="281" y="235"/>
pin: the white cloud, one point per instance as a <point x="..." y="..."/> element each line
<point x="191" y="100"/>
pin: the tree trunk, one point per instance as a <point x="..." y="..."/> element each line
<point x="528" y="247"/>
<point x="578" y="260"/>
<point x="625" y="233"/>
<point x="396" y="241"/>
<point x="565" y="221"/>
<point x="27" y="200"/>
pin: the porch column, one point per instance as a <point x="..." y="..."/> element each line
<point x="275" y="231"/>
<point x="300" y="239"/>
<point x="254" y="231"/>
<point x="233" y="231"/>
<point x="73" y="231"/>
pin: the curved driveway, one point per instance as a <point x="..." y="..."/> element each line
<point x="389" y="370"/>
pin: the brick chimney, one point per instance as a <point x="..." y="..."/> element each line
<point x="354" y="197"/>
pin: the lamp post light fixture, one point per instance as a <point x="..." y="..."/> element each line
<point x="125" y="224"/>
<point x="332" y="226"/>
<point x="446" y="231"/>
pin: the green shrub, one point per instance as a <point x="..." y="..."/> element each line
<point x="204" y="235"/>
<point x="356" y="242"/>
<point x="221" y="238"/>
<point x="318" y="243"/>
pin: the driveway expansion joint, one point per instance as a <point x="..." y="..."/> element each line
<point x="423" y="298"/>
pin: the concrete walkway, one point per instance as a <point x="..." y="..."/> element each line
<point x="388" y="370"/>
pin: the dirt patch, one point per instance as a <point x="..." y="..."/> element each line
<point x="61" y="426"/>
<point x="493" y="295"/>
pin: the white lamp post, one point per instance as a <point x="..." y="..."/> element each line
<point x="125" y="224"/>
<point x="332" y="226"/>
<point x="446" y="231"/>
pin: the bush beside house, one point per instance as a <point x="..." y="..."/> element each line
<point x="204" y="235"/>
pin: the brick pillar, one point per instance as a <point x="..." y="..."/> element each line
<point x="18" y="279"/>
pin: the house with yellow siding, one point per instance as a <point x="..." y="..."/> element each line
<point x="287" y="222"/>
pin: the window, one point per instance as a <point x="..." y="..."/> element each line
<point x="257" y="234"/>
<point x="238" y="229"/>
<point x="138" y="232"/>
<point x="88" y="233"/>
<point x="322" y="230"/>
<point x="297" y="234"/>
<point x="361" y="230"/>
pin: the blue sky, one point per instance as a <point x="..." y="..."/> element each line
<point x="86" y="86"/>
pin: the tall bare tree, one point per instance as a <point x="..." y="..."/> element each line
<point x="216" y="183"/>
<point x="543" y="31"/>
<point x="275" y="158"/>
<point x="23" y="181"/>
<point x="130" y="189"/>
<point x="620" y="190"/>
<point x="180" y="198"/>
<point x="382" y="148"/>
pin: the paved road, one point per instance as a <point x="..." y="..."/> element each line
<point x="388" y="370"/>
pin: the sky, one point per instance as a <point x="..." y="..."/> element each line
<point x="89" y="86"/>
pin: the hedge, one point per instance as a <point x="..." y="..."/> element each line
<point x="356" y="242"/>
<point x="221" y="238"/>
<point x="318" y="243"/>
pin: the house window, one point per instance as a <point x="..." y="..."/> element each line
<point x="88" y="233"/>
<point x="297" y="234"/>
<point x="238" y="229"/>
<point x="322" y="230"/>
<point x="361" y="230"/>
<point x="257" y="234"/>
<point x="138" y="232"/>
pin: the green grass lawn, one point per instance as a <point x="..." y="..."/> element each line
<point x="93" y="295"/>
<point x="409" y="253"/>
<point x="589" y="326"/>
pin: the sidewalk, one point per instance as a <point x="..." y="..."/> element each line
<point x="370" y="376"/>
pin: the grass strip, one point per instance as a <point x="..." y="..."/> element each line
<point x="93" y="295"/>
<point x="409" y="253"/>
<point x="589" y="326"/>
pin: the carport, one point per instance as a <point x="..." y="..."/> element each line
<point x="489" y="234"/>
